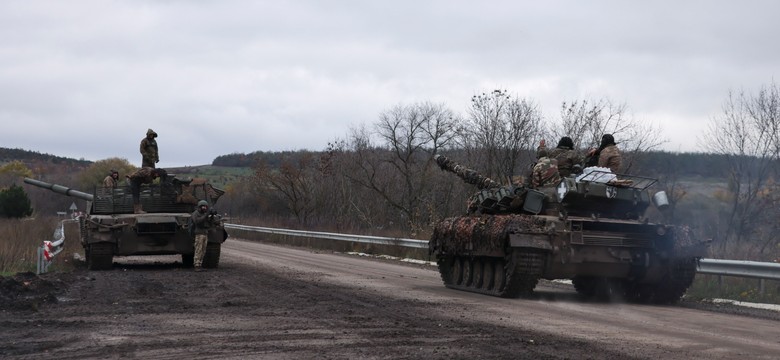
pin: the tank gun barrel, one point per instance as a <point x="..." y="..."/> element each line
<point x="60" y="189"/>
<point x="469" y="176"/>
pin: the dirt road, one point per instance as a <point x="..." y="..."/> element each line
<point x="284" y="303"/>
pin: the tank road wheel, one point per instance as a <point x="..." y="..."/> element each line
<point x="487" y="274"/>
<point x="445" y="265"/>
<point x="100" y="256"/>
<point x="585" y="286"/>
<point x="211" y="258"/>
<point x="456" y="271"/>
<point x="476" y="270"/>
<point x="188" y="260"/>
<point x="499" y="275"/>
<point x="676" y="282"/>
<point x="467" y="272"/>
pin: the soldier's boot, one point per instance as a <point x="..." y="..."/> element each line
<point x="138" y="210"/>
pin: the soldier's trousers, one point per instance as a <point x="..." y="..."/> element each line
<point x="200" y="248"/>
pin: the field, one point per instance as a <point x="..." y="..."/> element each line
<point x="19" y="240"/>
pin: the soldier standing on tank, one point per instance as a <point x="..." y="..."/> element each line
<point x="149" y="155"/>
<point x="566" y="156"/>
<point x="144" y="175"/>
<point x="202" y="221"/>
<point x="110" y="181"/>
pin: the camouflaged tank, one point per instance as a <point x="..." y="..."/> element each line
<point x="589" y="228"/>
<point x="110" y="228"/>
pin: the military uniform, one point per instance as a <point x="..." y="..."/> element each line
<point x="109" y="182"/>
<point x="566" y="158"/>
<point x="202" y="223"/>
<point x="149" y="155"/>
<point x="545" y="173"/>
<point x="610" y="157"/>
<point x="144" y="175"/>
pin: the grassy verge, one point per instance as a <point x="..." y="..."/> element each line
<point x="20" y="238"/>
<point x="734" y="288"/>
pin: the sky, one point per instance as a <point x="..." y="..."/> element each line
<point x="86" y="79"/>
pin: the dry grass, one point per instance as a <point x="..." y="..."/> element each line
<point x="19" y="240"/>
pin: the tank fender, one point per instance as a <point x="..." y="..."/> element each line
<point x="536" y="241"/>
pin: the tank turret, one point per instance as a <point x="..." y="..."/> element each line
<point x="589" y="228"/>
<point x="60" y="189"/>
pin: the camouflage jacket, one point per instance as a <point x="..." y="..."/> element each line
<point x="566" y="158"/>
<point x="142" y="176"/>
<point x="109" y="182"/>
<point x="610" y="158"/>
<point x="202" y="222"/>
<point x="545" y="173"/>
<point x="149" y="151"/>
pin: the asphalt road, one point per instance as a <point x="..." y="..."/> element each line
<point x="277" y="302"/>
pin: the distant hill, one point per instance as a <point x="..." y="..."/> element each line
<point x="34" y="157"/>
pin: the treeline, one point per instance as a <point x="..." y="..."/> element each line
<point x="689" y="164"/>
<point x="28" y="156"/>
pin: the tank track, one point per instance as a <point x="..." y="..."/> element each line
<point x="667" y="291"/>
<point x="513" y="276"/>
<point x="100" y="256"/>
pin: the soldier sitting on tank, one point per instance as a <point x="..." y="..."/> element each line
<point x="111" y="179"/>
<point x="545" y="171"/>
<point x="606" y="156"/>
<point x="566" y="156"/>
<point x="144" y="175"/>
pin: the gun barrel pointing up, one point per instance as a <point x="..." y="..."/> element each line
<point x="469" y="176"/>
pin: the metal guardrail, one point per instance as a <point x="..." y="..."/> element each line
<point x="412" y="243"/>
<point x="751" y="269"/>
<point x="50" y="249"/>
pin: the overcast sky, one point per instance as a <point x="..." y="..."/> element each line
<point x="86" y="79"/>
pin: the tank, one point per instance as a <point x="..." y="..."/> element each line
<point x="110" y="228"/>
<point x="590" y="228"/>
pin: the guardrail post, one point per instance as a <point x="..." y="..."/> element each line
<point x="761" y="286"/>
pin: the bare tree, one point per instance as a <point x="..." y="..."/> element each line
<point x="295" y="182"/>
<point x="585" y="122"/>
<point x="499" y="130"/>
<point x="746" y="133"/>
<point x="398" y="168"/>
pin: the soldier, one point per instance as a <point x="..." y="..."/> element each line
<point x="144" y="175"/>
<point x="545" y="172"/>
<point x="607" y="155"/>
<point x="110" y="181"/>
<point x="149" y="155"/>
<point x="201" y="220"/>
<point x="566" y="156"/>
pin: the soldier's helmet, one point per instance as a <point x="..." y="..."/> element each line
<point x="151" y="132"/>
<point x="203" y="203"/>
<point x="112" y="172"/>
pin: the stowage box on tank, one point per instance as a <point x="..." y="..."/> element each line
<point x="590" y="229"/>
<point x="110" y="228"/>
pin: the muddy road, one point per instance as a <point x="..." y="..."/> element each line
<point x="284" y="303"/>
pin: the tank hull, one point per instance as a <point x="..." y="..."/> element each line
<point x="505" y="255"/>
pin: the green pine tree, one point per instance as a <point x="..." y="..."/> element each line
<point x="14" y="202"/>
